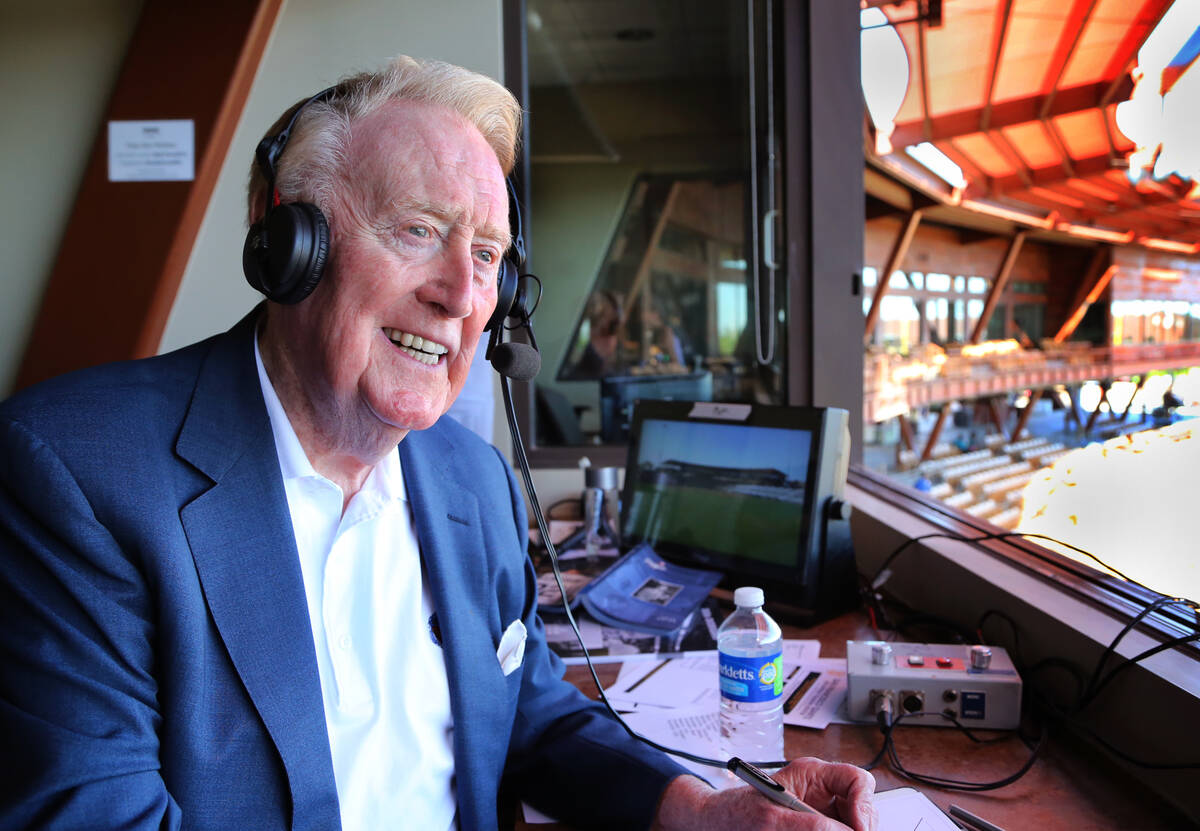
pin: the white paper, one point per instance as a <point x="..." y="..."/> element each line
<point x="152" y="151"/>
<point x="813" y="692"/>
<point x="907" y="809"/>
<point x="688" y="681"/>
<point x="729" y="412"/>
<point x="696" y="731"/>
<point x="798" y="652"/>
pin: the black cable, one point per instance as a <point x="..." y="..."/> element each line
<point x="1137" y="659"/>
<point x="958" y="784"/>
<point x="1088" y="688"/>
<point x="523" y="463"/>
<point x="1094" y="685"/>
<point x="886" y="725"/>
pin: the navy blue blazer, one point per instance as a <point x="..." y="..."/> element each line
<point x="158" y="663"/>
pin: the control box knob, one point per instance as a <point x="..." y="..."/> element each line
<point x="981" y="657"/>
<point x="881" y="653"/>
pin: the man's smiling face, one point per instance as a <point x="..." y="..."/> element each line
<point x="418" y="228"/>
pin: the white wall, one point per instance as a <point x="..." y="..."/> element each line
<point x="58" y="64"/>
<point x="315" y="43"/>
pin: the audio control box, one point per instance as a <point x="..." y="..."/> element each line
<point x="976" y="685"/>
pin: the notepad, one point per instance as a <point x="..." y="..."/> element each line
<point x="907" y="809"/>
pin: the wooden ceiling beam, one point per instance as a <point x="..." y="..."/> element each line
<point x="1012" y="155"/>
<point x="1094" y="205"/>
<point x="1092" y="283"/>
<point x="971" y="171"/>
<point x="1077" y="18"/>
<point x="1048" y="175"/>
<point x="1009" y="113"/>
<point x="923" y="61"/>
<point x="998" y="286"/>
<point x="998" y="38"/>
<point x="1060" y="144"/>
<point x="884" y="278"/>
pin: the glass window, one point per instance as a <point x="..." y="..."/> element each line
<point x="937" y="282"/>
<point x="977" y="285"/>
<point x="655" y="203"/>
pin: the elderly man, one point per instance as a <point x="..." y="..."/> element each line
<point x="228" y="602"/>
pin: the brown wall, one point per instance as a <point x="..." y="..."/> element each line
<point x="942" y="250"/>
<point x="1131" y="283"/>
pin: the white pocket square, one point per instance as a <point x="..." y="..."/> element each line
<point x="512" y="647"/>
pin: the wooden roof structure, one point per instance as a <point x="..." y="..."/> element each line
<point x="1022" y="96"/>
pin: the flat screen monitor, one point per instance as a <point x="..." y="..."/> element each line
<point x="754" y="491"/>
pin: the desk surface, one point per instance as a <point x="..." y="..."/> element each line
<point x="1068" y="787"/>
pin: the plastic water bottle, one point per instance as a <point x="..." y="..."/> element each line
<point x="750" y="650"/>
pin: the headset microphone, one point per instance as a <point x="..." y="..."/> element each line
<point x="518" y="361"/>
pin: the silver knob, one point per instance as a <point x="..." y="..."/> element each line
<point x="981" y="657"/>
<point x="881" y="653"/>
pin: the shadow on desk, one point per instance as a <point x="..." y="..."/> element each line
<point x="1068" y="787"/>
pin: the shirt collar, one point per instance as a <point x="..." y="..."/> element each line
<point x="386" y="478"/>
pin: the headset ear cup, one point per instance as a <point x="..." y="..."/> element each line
<point x="311" y="251"/>
<point x="285" y="252"/>
<point x="506" y="293"/>
<point x="254" y="257"/>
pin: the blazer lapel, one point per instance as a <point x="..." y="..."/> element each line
<point x="241" y="537"/>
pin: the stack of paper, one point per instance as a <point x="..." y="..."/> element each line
<point x="674" y="701"/>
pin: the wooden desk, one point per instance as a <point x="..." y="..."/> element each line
<point x="1069" y="787"/>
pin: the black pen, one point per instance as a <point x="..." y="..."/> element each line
<point x="766" y="786"/>
<point x="972" y="820"/>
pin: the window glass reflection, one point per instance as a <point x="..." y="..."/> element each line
<point x="653" y="202"/>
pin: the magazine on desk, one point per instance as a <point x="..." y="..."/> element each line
<point x="644" y="593"/>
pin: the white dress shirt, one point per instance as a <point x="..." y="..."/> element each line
<point x="383" y="678"/>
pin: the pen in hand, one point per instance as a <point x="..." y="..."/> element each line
<point x="766" y="786"/>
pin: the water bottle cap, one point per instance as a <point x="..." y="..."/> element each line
<point x="748" y="597"/>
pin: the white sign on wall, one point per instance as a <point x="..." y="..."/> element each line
<point x="152" y="151"/>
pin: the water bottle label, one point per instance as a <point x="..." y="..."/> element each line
<point x="751" y="679"/>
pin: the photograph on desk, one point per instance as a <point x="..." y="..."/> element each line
<point x="610" y="644"/>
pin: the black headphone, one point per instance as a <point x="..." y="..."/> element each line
<point x="285" y="251"/>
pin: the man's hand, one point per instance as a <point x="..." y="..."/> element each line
<point x="842" y="793"/>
